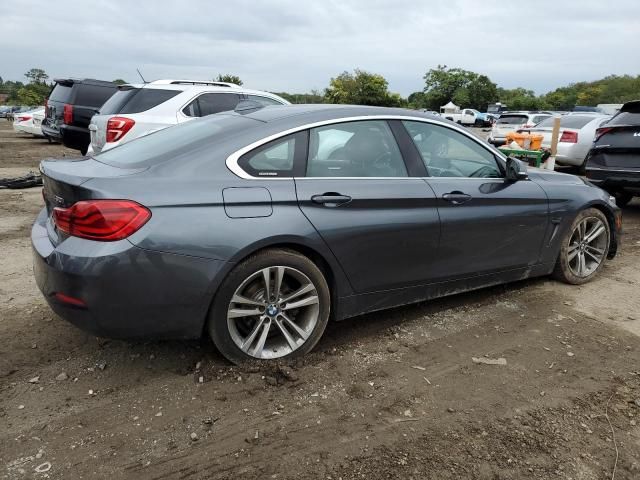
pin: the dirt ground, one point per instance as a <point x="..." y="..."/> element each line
<point x="393" y="394"/>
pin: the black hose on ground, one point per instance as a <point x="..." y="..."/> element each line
<point x="27" y="181"/>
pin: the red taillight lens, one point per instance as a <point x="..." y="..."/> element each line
<point x="23" y="118"/>
<point x="68" y="114"/>
<point x="101" y="220"/>
<point x="69" y="300"/>
<point x="528" y="125"/>
<point x="117" y="127"/>
<point x="569" y="137"/>
<point x="601" y="131"/>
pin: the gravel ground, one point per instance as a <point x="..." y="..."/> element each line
<point x="393" y="394"/>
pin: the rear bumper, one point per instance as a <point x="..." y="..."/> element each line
<point x="614" y="179"/>
<point x="128" y="292"/>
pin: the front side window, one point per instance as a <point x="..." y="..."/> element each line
<point x="448" y="153"/>
<point x="275" y="159"/>
<point x="354" y="149"/>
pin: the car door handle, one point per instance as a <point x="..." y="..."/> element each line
<point x="331" y="199"/>
<point x="456" y="197"/>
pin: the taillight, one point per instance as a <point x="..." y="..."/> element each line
<point x="117" y="127"/>
<point x="569" y="137"/>
<point x="46" y="107"/>
<point x="528" y="125"/>
<point x="602" y="131"/>
<point x="67" y="114"/>
<point x="101" y="220"/>
<point x="23" y="118"/>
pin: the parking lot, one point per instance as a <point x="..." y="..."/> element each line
<point x="395" y="394"/>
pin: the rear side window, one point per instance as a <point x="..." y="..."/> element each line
<point x="210" y="103"/>
<point x="354" y="149"/>
<point x="91" y="95"/>
<point x="512" y="119"/>
<point x="136" y="100"/>
<point x="275" y="159"/>
<point x="60" y="93"/>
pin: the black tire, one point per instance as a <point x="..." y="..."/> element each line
<point x="622" y="198"/>
<point x="217" y="323"/>
<point x="563" y="270"/>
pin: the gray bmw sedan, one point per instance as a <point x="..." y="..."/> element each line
<point x="259" y="226"/>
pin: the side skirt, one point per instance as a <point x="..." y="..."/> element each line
<point x="370" y="302"/>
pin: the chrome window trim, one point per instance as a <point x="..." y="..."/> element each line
<point x="232" y="160"/>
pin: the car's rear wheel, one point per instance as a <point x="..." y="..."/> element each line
<point x="273" y="305"/>
<point x="584" y="248"/>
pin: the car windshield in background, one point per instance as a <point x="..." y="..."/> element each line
<point x="568" y="121"/>
<point x="512" y="119"/>
<point x="136" y="100"/>
<point x="60" y="93"/>
<point x="168" y="143"/>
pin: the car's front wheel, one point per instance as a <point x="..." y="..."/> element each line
<point x="584" y="248"/>
<point x="273" y="305"/>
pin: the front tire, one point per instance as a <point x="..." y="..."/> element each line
<point x="275" y="304"/>
<point x="584" y="248"/>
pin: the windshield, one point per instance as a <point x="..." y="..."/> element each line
<point x="174" y="141"/>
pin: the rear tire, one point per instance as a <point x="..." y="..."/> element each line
<point x="249" y="322"/>
<point x="584" y="248"/>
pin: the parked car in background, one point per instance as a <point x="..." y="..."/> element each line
<point x="69" y="108"/>
<point x="467" y="117"/>
<point x="512" y="122"/>
<point x="29" y="122"/>
<point x="576" y="135"/>
<point x="17" y="109"/>
<point x="613" y="162"/>
<point x="257" y="227"/>
<point x="4" y="110"/>
<point x="137" y="110"/>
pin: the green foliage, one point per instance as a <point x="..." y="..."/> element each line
<point x="119" y="81"/>
<point x="611" y="89"/>
<point x="229" y="79"/>
<point x="36" y="75"/>
<point x="465" y="88"/>
<point x="362" y="88"/>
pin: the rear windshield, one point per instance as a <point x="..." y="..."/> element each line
<point x="512" y="119"/>
<point x="89" y="95"/>
<point x="626" y="118"/>
<point x="568" y="121"/>
<point x="136" y="100"/>
<point x="60" y="93"/>
<point x="174" y="141"/>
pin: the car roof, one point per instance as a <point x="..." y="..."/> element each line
<point x="312" y="112"/>
<point x="88" y="81"/>
<point x="196" y="86"/>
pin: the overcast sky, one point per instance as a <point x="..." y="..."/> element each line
<point x="296" y="46"/>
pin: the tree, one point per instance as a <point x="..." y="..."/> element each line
<point x="467" y="89"/>
<point x="229" y="79"/>
<point x="362" y="88"/>
<point x="312" y="97"/>
<point x="36" y="75"/>
<point x="119" y="81"/>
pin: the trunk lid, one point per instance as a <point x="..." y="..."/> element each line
<point x="63" y="182"/>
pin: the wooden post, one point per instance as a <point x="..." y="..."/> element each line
<point x="555" y="134"/>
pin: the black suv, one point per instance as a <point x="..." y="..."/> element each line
<point x="613" y="163"/>
<point x="69" y="109"/>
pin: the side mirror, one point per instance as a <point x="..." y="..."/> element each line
<point x="516" y="170"/>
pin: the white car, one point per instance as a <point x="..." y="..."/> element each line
<point x="577" y="132"/>
<point x="137" y="110"/>
<point x="29" y="122"/>
<point x="511" y="122"/>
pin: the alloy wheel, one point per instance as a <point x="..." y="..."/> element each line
<point x="273" y="312"/>
<point x="587" y="247"/>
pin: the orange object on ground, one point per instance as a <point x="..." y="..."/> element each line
<point x="528" y="141"/>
